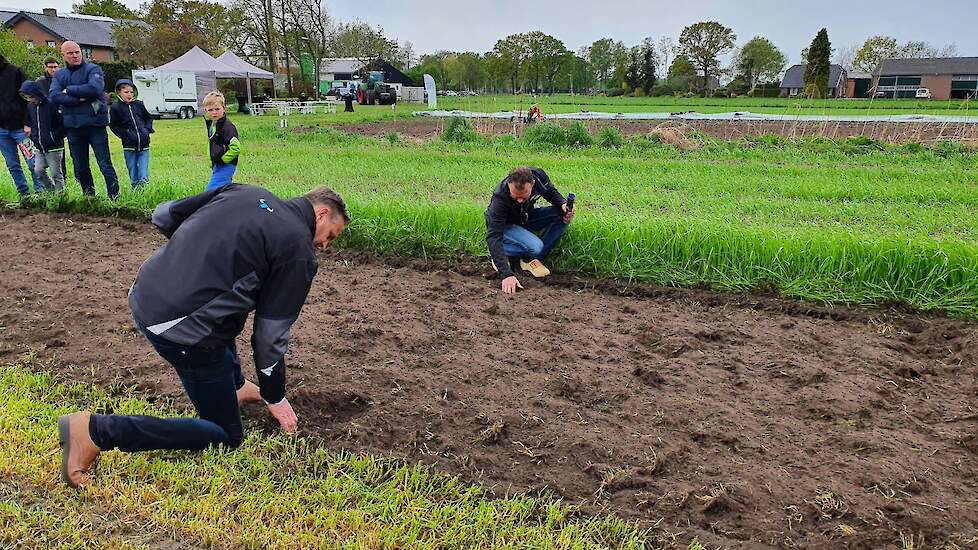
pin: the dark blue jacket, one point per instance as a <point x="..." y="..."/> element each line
<point x="80" y="91"/>
<point x="130" y="121"/>
<point x="231" y="250"/>
<point x="47" y="128"/>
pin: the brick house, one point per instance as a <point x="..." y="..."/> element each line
<point x="92" y="33"/>
<point x="945" y="77"/>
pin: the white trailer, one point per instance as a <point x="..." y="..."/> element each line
<point x="167" y="92"/>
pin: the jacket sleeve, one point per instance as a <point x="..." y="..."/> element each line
<point x="148" y="119"/>
<point x="282" y="295"/>
<point x="93" y="88"/>
<point x="19" y="81"/>
<point x="495" y="225"/>
<point x="168" y="216"/>
<point x="56" y="96"/>
<point x="547" y="189"/>
<point x="115" y="122"/>
<point x="232" y="142"/>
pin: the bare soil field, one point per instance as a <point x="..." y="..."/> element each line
<point x="747" y="421"/>
<point x="425" y="129"/>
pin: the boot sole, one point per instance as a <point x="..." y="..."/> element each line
<point x="64" y="439"/>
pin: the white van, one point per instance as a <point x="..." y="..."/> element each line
<point x="167" y="92"/>
<point x="922" y="93"/>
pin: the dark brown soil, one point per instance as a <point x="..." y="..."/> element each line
<point x="423" y="129"/>
<point x="749" y="422"/>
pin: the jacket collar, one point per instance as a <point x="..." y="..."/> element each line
<point x="302" y="208"/>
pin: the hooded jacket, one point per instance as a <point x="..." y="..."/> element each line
<point x="80" y="91"/>
<point x="503" y="211"/>
<point x="131" y="122"/>
<point x="13" y="108"/>
<point x="231" y="250"/>
<point x="223" y="143"/>
<point x="47" y="127"/>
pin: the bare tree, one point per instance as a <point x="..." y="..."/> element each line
<point x="664" y="50"/>
<point x="257" y="39"/>
<point x="313" y="31"/>
<point x="846" y="56"/>
<point x="362" y="42"/>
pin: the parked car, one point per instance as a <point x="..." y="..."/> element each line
<point x="922" y="93"/>
<point x="451" y="93"/>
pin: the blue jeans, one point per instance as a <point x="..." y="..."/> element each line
<point x="9" y="146"/>
<point x="79" y="140"/>
<point x="138" y="164"/>
<point x="520" y="241"/>
<point x="211" y="377"/>
<point x="221" y="175"/>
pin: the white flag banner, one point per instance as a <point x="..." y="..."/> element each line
<point x="429" y="88"/>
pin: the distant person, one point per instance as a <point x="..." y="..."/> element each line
<point x="79" y="88"/>
<point x="512" y="223"/>
<point x="223" y="143"/>
<point x="132" y="123"/>
<point x="14" y="125"/>
<point x="51" y="66"/>
<point x="348" y="101"/>
<point x="48" y="135"/>
<point x="232" y="250"/>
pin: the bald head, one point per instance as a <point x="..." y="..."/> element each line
<point x="71" y="51"/>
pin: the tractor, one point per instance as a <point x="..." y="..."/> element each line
<point x="375" y="90"/>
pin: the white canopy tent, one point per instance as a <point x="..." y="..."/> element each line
<point x="209" y="69"/>
<point x="250" y="71"/>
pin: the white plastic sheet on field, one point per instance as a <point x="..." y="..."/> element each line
<point x="692" y="115"/>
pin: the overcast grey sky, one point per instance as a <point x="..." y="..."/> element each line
<point x="461" y="25"/>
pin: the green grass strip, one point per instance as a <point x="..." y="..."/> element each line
<point x="273" y="492"/>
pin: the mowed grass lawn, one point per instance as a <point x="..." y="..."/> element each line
<point x="842" y="222"/>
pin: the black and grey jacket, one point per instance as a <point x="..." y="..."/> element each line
<point x="503" y="211"/>
<point x="231" y="250"/>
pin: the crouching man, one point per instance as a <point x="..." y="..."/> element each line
<point x="512" y="224"/>
<point x="231" y="250"/>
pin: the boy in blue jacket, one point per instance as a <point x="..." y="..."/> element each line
<point x="48" y="136"/>
<point x="131" y="122"/>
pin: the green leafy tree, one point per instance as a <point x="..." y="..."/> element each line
<point x="682" y="73"/>
<point x="16" y="52"/>
<point x="545" y="56"/>
<point x="702" y="43"/>
<point x="605" y="56"/>
<point x="759" y="61"/>
<point x="818" y="66"/>
<point x="576" y="75"/>
<point x="508" y="58"/>
<point x="363" y="42"/>
<point x="874" y="50"/>
<point x="105" y="8"/>
<point x="174" y="26"/>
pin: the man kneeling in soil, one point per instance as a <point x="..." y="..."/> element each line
<point x="231" y="250"/>
<point x="511" y="223"/>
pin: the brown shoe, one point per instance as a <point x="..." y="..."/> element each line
<point x="79" y="452"/>
<point x="535" y="267"/>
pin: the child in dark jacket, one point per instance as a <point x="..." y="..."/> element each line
<point x="129" y="119"/>
<point x="223" y="143"/>
<point x="47" y="135"/>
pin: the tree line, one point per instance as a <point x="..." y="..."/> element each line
<point x="279" y="34"/>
